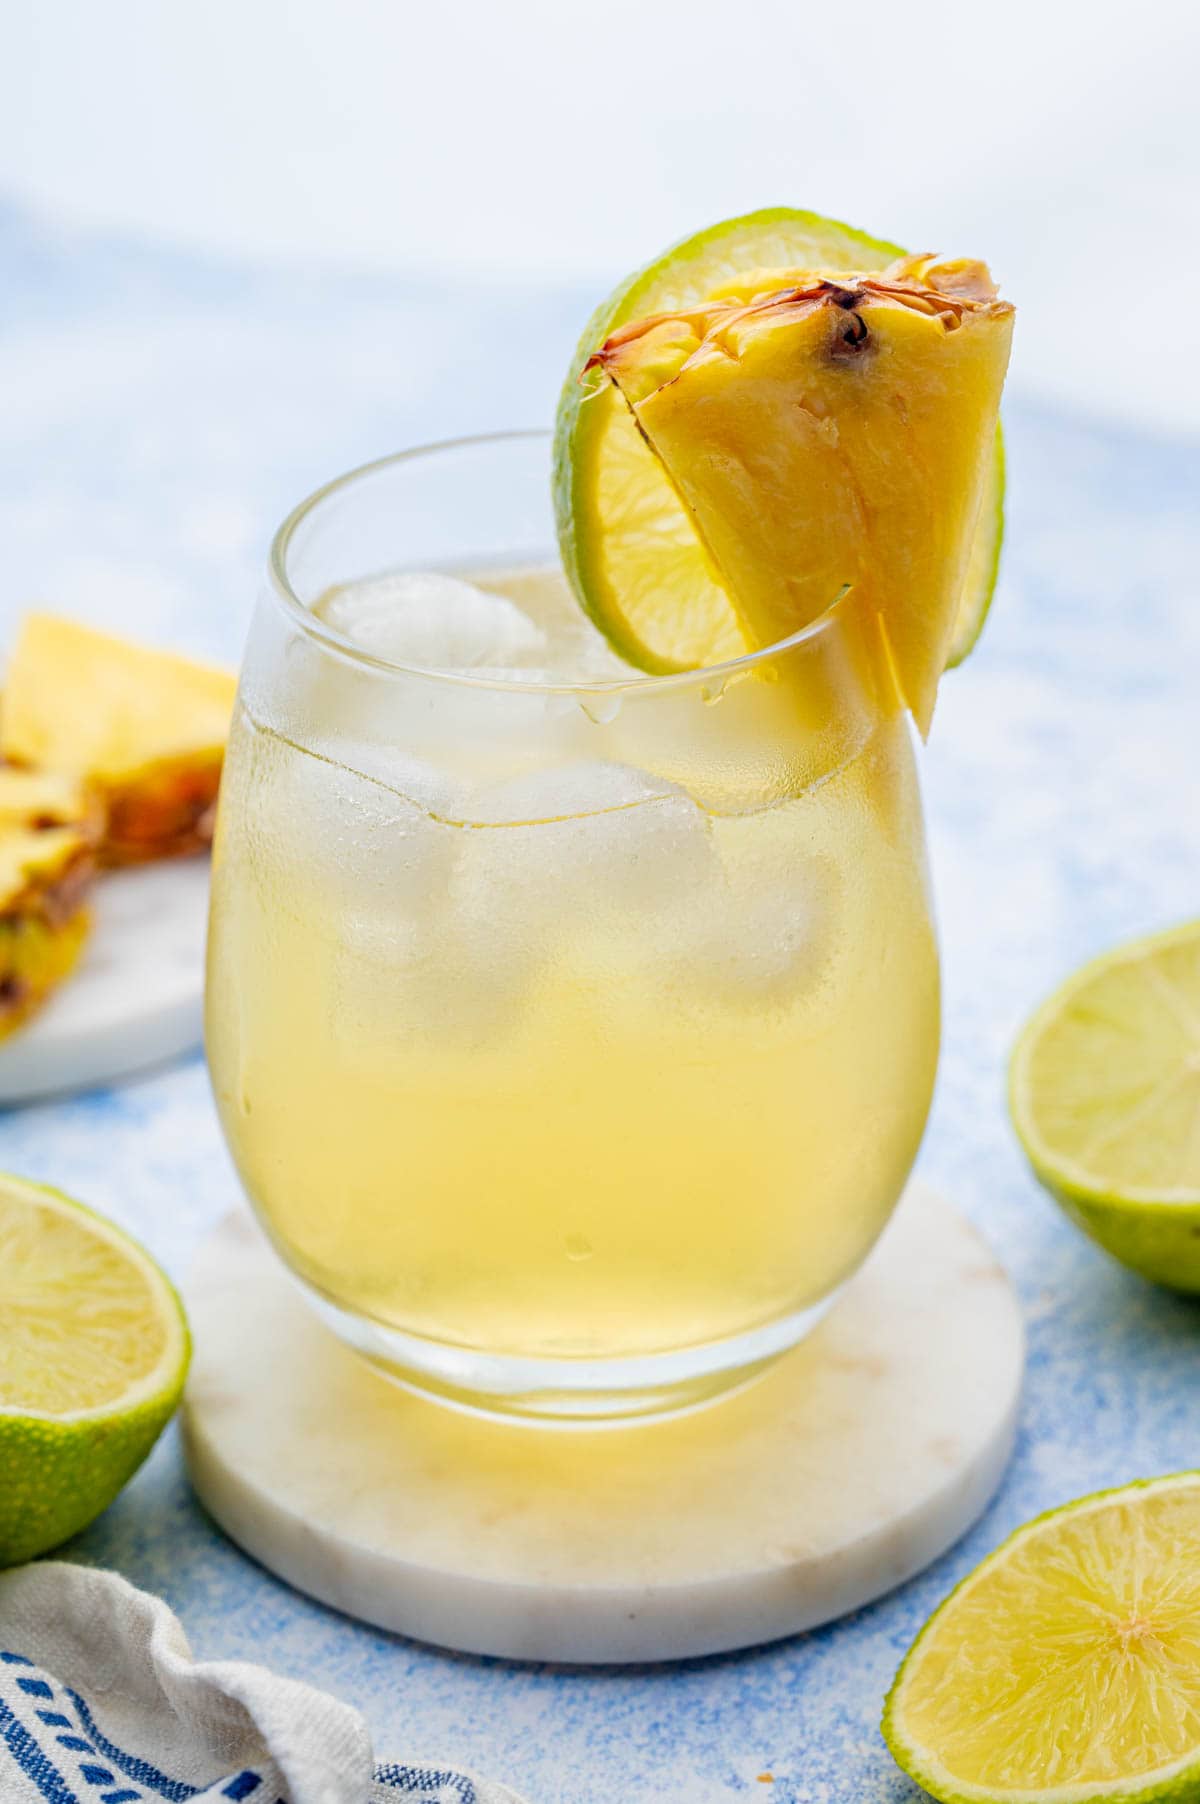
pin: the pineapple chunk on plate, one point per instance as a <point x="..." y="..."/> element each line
<point x="114" y="756"/>
<point x="145" y="728"/>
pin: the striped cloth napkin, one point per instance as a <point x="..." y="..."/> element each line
<point x="101" y="1702"/>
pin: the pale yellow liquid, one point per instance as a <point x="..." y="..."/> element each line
<point x="587" y="1086"/>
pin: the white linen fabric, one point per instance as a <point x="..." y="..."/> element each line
<point x="101" y="1702"/>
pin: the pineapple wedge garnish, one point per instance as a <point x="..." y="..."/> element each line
<point x="48" y="828"/>
<point x="144" y="729"/>
<point x="836" y="429"/>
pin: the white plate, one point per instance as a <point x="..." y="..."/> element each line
<point x="136" y="996"/>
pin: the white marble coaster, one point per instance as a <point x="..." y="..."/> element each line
<point x="136" y="996"/>
<point x="851" y="1464"/>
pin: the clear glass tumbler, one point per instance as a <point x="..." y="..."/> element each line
<point x="573" y="1038"/>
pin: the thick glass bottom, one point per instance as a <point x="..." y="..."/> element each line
<point x="569" y="1393"/>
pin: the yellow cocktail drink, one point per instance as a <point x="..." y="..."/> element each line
<point x="573" y="1041"/>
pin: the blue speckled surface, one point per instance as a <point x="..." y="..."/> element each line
<point x="158" y="417"/>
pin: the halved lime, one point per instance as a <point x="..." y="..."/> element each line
<point x="1066" y="1668"/>
<point x="627" y="545"/>
<point x="93" y="1354"/>
<point x="1104" y="1090"/>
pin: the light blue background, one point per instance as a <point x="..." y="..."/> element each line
<point x="157" y="416"/>
<point x="575" y="140"/>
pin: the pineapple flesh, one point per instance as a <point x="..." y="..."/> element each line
<point x="827" y="429"/>
<point x="48" y="830"/>
<point x="144" y="729"/>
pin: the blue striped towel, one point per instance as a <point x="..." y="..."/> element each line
<point x="101" y="1702"/>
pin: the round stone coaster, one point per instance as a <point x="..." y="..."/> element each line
<point x="136" y="996"/>
<point x="852" y="1463"/>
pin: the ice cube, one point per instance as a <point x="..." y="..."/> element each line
<point x="347" y="843"/>
<point x="767" y="946"/>
<point x="563" y="792"/>
<point x="435" y="622"/>
<point x="761" y="938"/>
<point x="576" y="651"/>
<point x="426" y="786"/>
<point x="583" y="850"/>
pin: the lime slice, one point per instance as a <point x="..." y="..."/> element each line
<point x="1105" y="1097"/>
<point x="627" y="545"/>
<point x="93" y="1354"/>
<point x="1066" y="1668"/>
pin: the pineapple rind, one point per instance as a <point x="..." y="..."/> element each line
<point x="166" y="811"/>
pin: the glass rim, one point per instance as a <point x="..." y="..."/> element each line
<point x="330" y="640"/>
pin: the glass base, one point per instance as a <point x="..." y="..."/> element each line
<point x="569" y="1393"/>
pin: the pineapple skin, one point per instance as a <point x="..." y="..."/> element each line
<point x="166" y="811"/>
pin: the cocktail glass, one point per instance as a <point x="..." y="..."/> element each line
<point x="573" y="1030"/>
